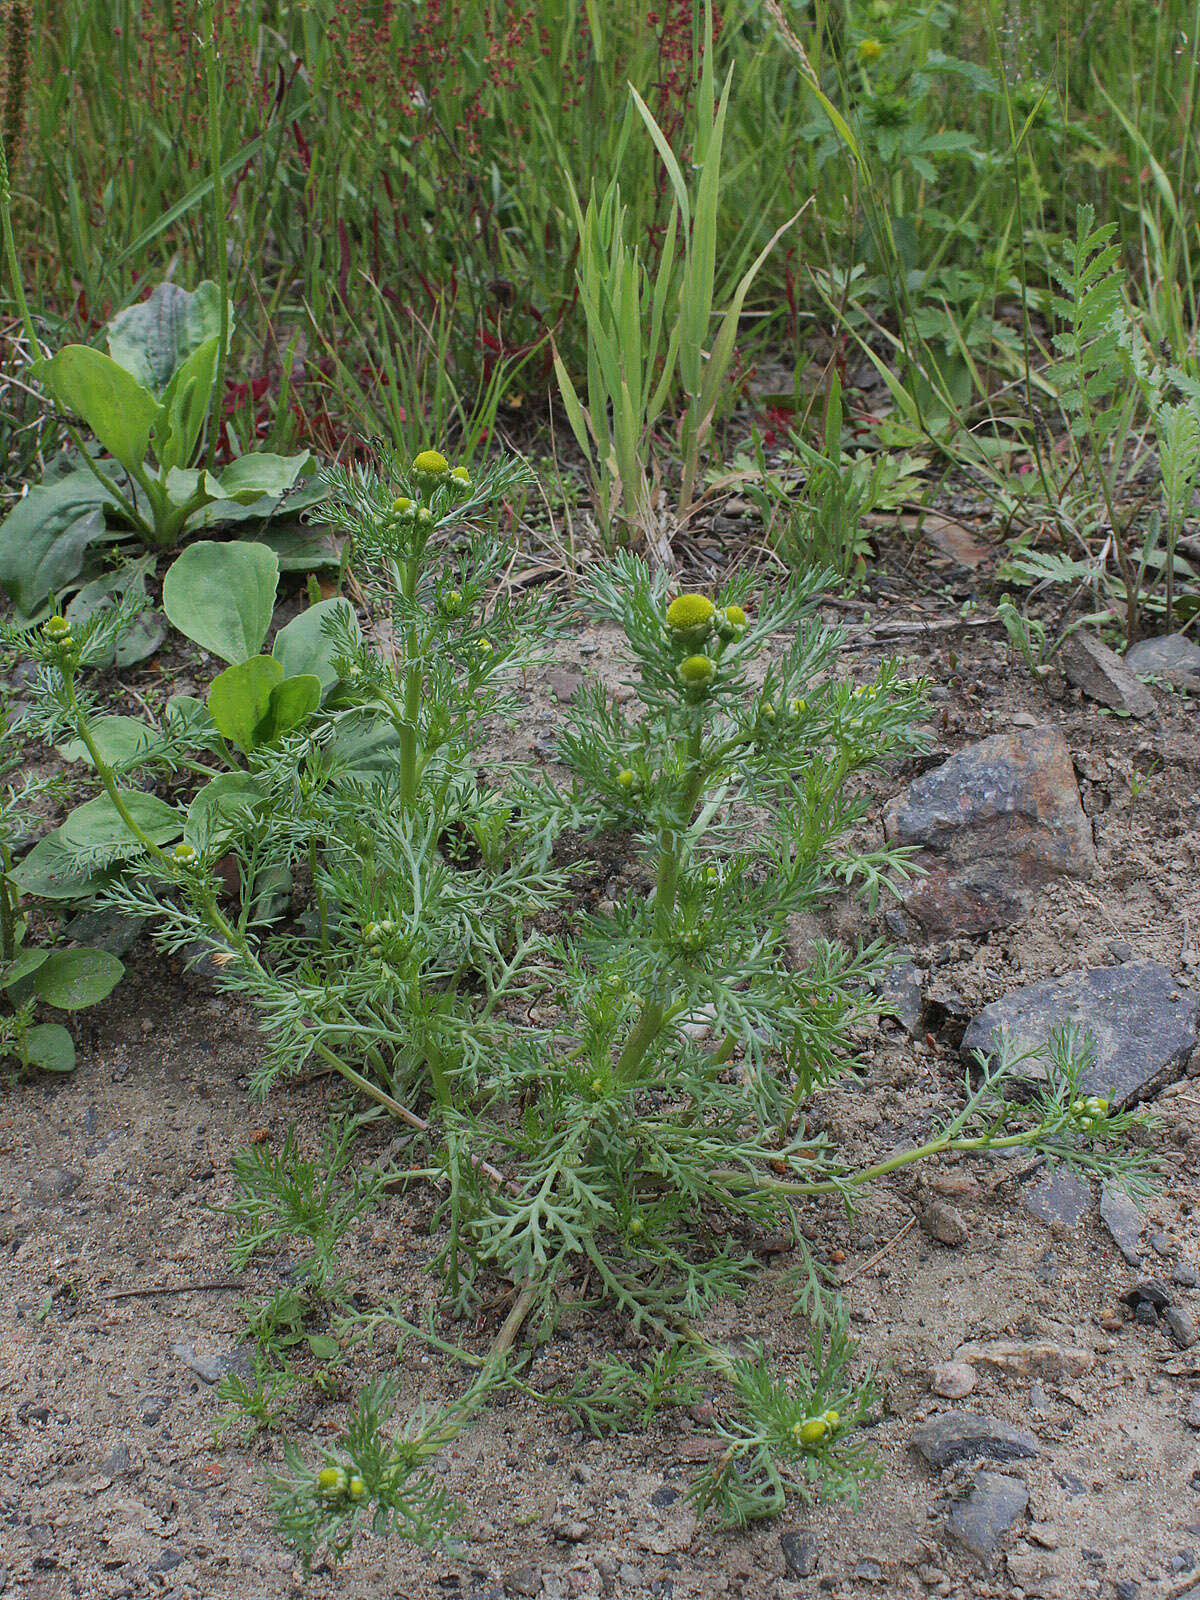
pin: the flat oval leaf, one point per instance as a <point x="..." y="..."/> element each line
<point x="260" y="473"/>
<point x="303" y="645"/>
<point x="118" y="739"/>
<point x="222" y="595"/>
<point x="73" y="979"/>
<point x="98" y="825"/>
<point x="292" y="703"/>
<point x="115" y="406"/>
<point x="44" y="538"/>
<point x="218" y="808"/>
<point x="52" y="871"/>
<point x="49" y="1046"/>
<point x="25" y="962"/>
<point x="239" y="700"/>
<point x="153" y="339"/>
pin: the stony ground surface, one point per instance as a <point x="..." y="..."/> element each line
<point x="980" y="1291"/>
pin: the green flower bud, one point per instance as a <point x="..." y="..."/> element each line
<point x="57" y="630"/>
<point x="696" y="672"/>
<point x="450" y="604"/>
<point x="626" y="778"/>
<point x="184" y="855"/>
<point x="690" y="618"/>
<point x="356" y="1488"/>
<point x="597" y="1087"/>
<point x="460" y="480"/>
<point x="637" y="1227"/>
<point x="331" y="1482"/>
<point x="372" y="933"/>
<point x="484" y="647"/>
<point x="869" y="50"/>
<point x="832" y="1418"/>
<point x="403" y="509"/>
<point x="731" y="623"/>
<point x="431" y="464"/>
<point x="810" y="1432"/>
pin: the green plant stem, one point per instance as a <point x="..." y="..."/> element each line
<point x="412" y="688"/>
<point x="670" y="859"/>
<point x="947" y="1144"/>
<point x="10" y="251"/>
<point x="9" y="906"/>
<point x="212" y="83"/>
<point x="124" y="505"/>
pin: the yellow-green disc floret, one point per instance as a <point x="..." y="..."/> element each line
<point x="356" y="1488"/>
<point x="869" y="50"/>
<point x="690" y="613"/>
<point x="696" y="671"/>
<point x="811" y="1431"/>
<point x="184" y="854"/>
<point x="431" y="464"/>
<point x="625" y="778"/>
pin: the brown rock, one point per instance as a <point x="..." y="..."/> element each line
<point x="991" y="825"/>
<point x="1057" y="1363"/>
<point x="953" y="1379"/>
<point x="943" y="1223"/>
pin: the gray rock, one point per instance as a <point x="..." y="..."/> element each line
<point x="966" y="1436"/>
<point x="1192" y="1415"/>
<point x="168" y="1560"/>
<point x="868" y="1570"/>
<point x="116" y="1462"/>
<point x="1173" y="658"/>
<point x="1181" y="1325"/>
<point x="1144" y="1028"/>
<point x="1163" y="1245"/>
<point x="991" y="825"/>
<point x="901" y="995"/>
<point x="801" y="1553"/>
<point x="992" y="1508"/>
<point x="152" y="1409"/>
<point x="106" y="930"/>
<point x="1059" y="1199"/>
<point x="1185" y="1275"/>
<point x="56" y="1183"/>
<point x="944" y="1223"/>
<point x="1091" y="666"/>
<point x="1148" y="1291"/>
<point x="1123" y="1220"/>
<point x="211" y="1369"/>
<point x="522" y="1581"/>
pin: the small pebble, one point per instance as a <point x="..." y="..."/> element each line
<point x="953" y="1379"/>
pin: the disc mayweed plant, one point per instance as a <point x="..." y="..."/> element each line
<point x="609" y="1112"/>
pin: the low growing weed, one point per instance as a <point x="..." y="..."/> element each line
<point x="608" y="1104"/>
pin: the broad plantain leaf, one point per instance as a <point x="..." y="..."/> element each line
<point x="239" y="700"/>
<point x="44" y="538"/>
<point x="221" y="596"/>
<point x="303" y="646"/>
<point x="117" y="409"/>
<point x="49" y="1046"/>
<point x="118" y="739"/>
<point x="98" y="825"/>
<point x="73" y="979"/>
<point x="153" y="339"/>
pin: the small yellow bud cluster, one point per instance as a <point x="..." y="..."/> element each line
<point x="56" y="632"/>
<point x="1091" y="1113"/>
<point x="450" y="603"/>
<point x="813" y="1431"/>
<point x="335" y="1483"/>
<point x="869" y="51"/>
<point x="375" y="934"/>
<point x="432" y="471"/>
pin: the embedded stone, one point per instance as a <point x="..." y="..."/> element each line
<point x="967" y="1436"/>
<point x="990" y="827"/>
<point x="953" y="1379"/>
<point x="1059" y="1199"/>
<point x="1123" y="1220"/>
<point x="1173" y="658"/>
<point x="1057" y="1363"/>
<point x="993" y="1507"/>
<point x="1144" y="1028"/>
<point x="1100" y="673"/>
